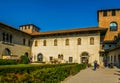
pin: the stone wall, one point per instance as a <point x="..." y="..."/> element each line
<point x="104" y="22"/>
<point x="72" y="50"/>
<point x="16" y="46"/>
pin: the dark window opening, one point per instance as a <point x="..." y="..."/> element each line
<point x="4" y="37"/>
<point x="109" y="45"/>
<point x="70" y="59"/>
<point x="29" y="43"/>
<point x="7" y="37"/>
<point x="113" y="12"/>
<point x="51" y="58"/>
<point x="11" y="38"/>
<point x="104" y="13"/>
<point x="44" y="43"/>
<point x="23" y="41"/>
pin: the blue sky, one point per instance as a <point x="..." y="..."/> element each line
<point x="53" y="14"/>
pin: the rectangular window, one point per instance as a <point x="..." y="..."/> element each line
<point x="70" y="59"/>
<point x="111" y="58"/>
<point x="113" y="12"/>
<point x="51" y="58"/>
<point x="23" y="41"/>
<point x="4" y="37"/>
<point x="28" y="42"/>
<point x="36" y="43"/>
<point x="115" y="58"/>
<point x="104" y="13"/>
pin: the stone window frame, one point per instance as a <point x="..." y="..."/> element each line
<point x="55" y="42"/>
<point x="79" y="41"/>
<point x="104" y="13"/>
<point x="92" y="40"/>
<point x="7" y="37"/>
<point x="70" y="59"/>
<point x="44" y="42"/>
<point x="113" y="26"/>
<point x="113" y="13"/>
<point x="36" y="43"/>
<point x="67" y="42"/>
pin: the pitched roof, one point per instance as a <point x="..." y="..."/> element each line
<point x="70" y="31"/>
<point x="7" y="26"/>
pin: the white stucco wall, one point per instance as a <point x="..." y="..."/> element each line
<point x="73" y="50"/>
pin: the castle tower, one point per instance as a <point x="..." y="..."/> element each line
<point x="110" y="19"/>
<point x="29" y="28"/>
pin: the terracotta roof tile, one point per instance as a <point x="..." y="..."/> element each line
<point x="70" y="31"/>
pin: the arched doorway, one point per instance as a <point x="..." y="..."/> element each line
<point x="84" y="57"/>
<point x="6" y="53"/>
<point x="40" y="57"/>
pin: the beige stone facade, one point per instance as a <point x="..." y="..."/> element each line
<point x="81" y="45"/>
<point x="11" y="40"/>
<point x="72" y="50"/>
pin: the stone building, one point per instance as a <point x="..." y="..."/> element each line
<point x="81" y="45"/>
<point x="13" y="42"/>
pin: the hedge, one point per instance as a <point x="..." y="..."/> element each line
<point x="7" y="62"/>
<point x="53" y="74"/>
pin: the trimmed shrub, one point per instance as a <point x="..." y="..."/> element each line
<point x="39" y="74"/>
<point x="24" y="59"/>
<point x="7" y="62"/>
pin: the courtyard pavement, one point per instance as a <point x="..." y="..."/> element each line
<point x="101" y="75"/>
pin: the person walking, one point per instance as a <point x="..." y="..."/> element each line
<point x="95" y="64"/>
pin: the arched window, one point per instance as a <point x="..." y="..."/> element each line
<point x="6" y="52"/>
<point x="113" y="26"/>
<point x="44" y="43"/>
<point x="91" y="41"/>
<point x="36" y="43"/>
<point x="67" y="42"/>
<point x="40" y="57"/>
<point x="59" y="56"/>
<point x="55" y="42"/>
<point x="79" y="41"/>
